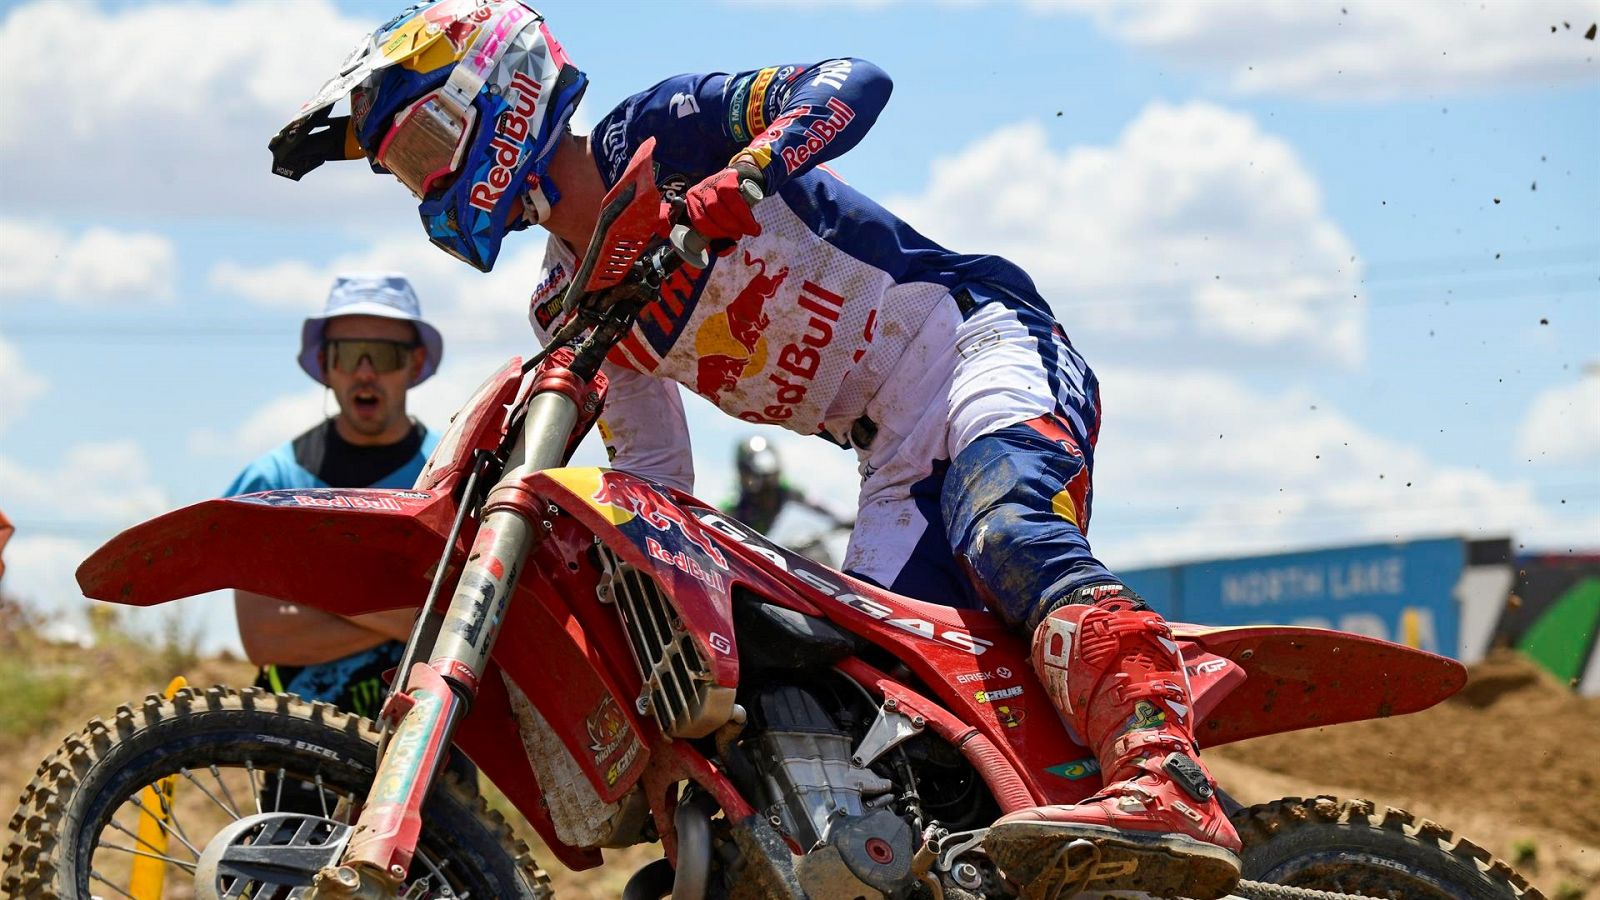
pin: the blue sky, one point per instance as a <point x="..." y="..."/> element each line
<point x="1271" y="228"/>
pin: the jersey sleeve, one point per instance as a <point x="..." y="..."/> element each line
<point x="790" y="118"/>
<point x="785" y="119"/>
<point x="644" y="428"/>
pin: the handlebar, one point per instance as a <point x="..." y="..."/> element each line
<point x="692" y="247"/>
<point x="608" y="313"/>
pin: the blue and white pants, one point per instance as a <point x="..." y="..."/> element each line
<point x="976" y="489"/>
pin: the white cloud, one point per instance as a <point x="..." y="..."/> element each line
<point x="40" y="572"/>
<point x="168" y="107"/>
<point x="1194" y="224"/>
<point x="1563" y="425"/>
<point x="465" y="304"/>
<point x="20" y="386"/>
<point x="1195" y="464"/>
<point x="97" y="266"/>
<point x="105" y="482"/>
<point x="63" y="512"/>
<point x="1361" y="49"/>
<point x="264" y="428"/>
<point x="290" y="284"/>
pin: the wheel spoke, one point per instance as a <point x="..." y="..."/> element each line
<point x="164" y="826"/>
<point x="124" y="829"/>
<point x="225" y="792"/>
<point x="224" y="807"/>
<point x="182" y="864"/>
<point x="322" y="798"/>
<point x="254" y="791"/>
<point x="96" y="876"/>
<point x="171" y="812"/>
<point x="277" y="799"/>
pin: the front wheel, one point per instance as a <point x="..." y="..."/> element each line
<point x="1353" y="847"/>
<point x="140" y="797"/>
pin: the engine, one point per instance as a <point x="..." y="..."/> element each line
<point x="853" y="782"/>
<point x="840" y="812"/>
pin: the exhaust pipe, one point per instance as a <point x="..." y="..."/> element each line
<point x="693" y="821"/>
<point x="652" y="882"/>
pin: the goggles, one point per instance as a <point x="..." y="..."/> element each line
<point x="385" y="356"/>
<point x="426" y="142"/>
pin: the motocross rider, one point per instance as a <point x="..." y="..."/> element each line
<point x="763" y="492"/>
<point x="972" y="415"/>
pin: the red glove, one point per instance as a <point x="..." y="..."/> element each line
<point x="718" y="211"/>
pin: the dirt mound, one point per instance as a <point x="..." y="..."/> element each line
<point x="1515" y="742"/>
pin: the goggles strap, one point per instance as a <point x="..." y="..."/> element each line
<point x="537" y="200"/>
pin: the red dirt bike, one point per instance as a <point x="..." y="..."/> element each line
<point x="628" y="665"/>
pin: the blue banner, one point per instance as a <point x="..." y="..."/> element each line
<point x="1400" y="592"/>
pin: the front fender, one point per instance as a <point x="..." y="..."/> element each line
<point x="344" y="551"/>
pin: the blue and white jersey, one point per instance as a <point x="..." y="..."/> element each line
<point x="801" y="325"/>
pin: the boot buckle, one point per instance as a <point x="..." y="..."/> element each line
<point x="1189" y="776"/>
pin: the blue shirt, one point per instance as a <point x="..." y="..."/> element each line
<point x="320" y="458"/>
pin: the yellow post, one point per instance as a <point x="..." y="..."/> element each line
<point x="1411" y="627"/>
<point x="149" y="874"/>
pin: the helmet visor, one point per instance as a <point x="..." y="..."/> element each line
<point x="426" y="142"/>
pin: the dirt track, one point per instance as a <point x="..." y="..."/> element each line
<point x="1511" y="764"/>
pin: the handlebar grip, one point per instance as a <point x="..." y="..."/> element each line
<point x="692" y="247"/>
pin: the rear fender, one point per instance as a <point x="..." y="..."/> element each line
<point x="1305" y="678"/>
<point x="344" y="551"/>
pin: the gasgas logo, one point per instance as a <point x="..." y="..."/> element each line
<point x="729" y="345"/>
<point x="823" y="581"/>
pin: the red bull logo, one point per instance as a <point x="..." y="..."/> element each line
<point x="658" y="511"/>
<point x="456" y="23"/>
<point x="729" y="345"/>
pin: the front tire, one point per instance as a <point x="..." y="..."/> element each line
<point x="1354" y="847"/>
<point x="67" y="830"/>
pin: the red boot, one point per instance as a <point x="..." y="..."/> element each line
<point x="1116" y="675"/>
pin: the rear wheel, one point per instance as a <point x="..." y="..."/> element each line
<point x="1354" y="847"/>
<point x="88" y="819"/>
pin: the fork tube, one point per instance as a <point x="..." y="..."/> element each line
<point x="545" y="430"/>
<point x="490" y="575"/>
<point x="441" y="692"/>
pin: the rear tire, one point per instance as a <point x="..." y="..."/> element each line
<point x="71" y="803"/>
<point x="1354" y="847"/>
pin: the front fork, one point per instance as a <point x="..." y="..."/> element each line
<point x="438" y="694"/>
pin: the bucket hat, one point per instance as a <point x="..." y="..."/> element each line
<point x="389" y="296"/>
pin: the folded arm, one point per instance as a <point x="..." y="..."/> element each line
<point x="287" y="634"/>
